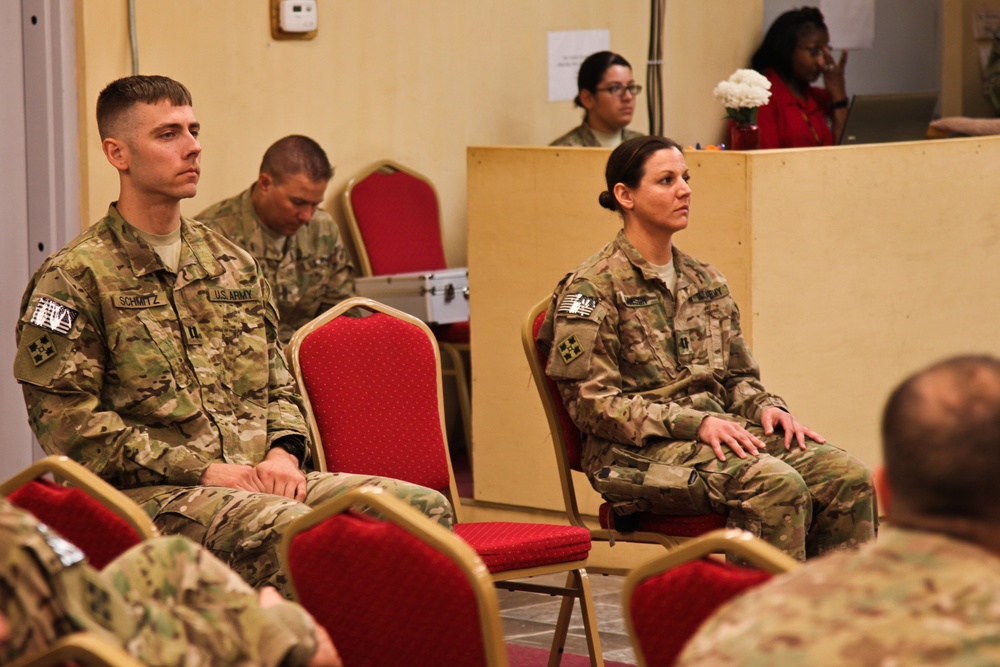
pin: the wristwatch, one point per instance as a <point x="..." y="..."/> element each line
<point x="839" y="104"/>
<point x="294" y="445"/>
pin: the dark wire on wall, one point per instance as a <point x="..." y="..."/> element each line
<point x="654" y="80"/>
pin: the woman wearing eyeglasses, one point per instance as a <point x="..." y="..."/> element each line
<point x="607" y="94"/>
<point x="794" y="54"/>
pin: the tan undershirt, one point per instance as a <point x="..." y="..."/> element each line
<point x="167" y="246"/>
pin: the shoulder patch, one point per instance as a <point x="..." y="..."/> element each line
<point x="577" y="304"/>
<point x="570" y="348"/>
<point x="53" y="316"/>
<point x="41" y="349"/>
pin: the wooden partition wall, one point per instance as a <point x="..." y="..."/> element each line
<point x="852" y="266"/>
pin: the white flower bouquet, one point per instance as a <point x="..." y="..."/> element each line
<point x="742" y="93"/>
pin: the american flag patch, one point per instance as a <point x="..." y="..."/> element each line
<point x="53" y="316"/>
<point x="577" y="304"/>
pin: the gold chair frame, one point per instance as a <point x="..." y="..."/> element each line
<point x="726" y="540"/>
<point x="410" y="520"/>
<point x="65" y="470"/>
<point x="85" y="649"/>
<point x="577" y="583"/>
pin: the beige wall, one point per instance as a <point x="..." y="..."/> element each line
<point x="961" y="80"/>
<point x="853" y="266"/>
<point x="414" y="81"/>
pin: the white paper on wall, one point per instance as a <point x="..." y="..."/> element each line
<point x="567" y="49"/>
<point x="851" y="23"/>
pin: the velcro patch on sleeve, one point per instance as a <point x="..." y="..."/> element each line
<point x="53" y="316"/>
<point x="41" y="349"/>
<point x="577" y="304"/>
<point x="570" y="348"/>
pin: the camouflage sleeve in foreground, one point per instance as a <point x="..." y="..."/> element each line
<point x="167" y="601"/>
<point x="911" y="598"/>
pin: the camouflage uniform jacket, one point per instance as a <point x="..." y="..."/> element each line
<point x="635" y="364"/>
<point x="311" y="275"/>
<point x="166" y="601"/>
<point x="146" y="376"/>
<point x="584" y="136"/>
<point x="911" y="598"/>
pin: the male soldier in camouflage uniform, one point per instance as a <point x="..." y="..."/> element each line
<point x="147" y="351"/>
<point x="654" y="371"/>
<point x="279" y="222"/>
<point x="166" y="601"/>
<point x="928" y="592"/>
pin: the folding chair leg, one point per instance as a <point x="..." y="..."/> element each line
<point x="577" y="581"/>
<point x="589" y="618"/>
<point x="457" y="371"/>
<point x="562" y="624"/>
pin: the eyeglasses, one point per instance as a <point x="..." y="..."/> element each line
<point x="619" y="91"/>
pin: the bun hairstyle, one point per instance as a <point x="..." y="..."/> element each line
<point x="592" y="71"/>
<point x="778" y="47"/>
<point x="627" y="165"/>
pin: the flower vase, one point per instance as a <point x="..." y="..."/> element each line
<point x="743" y="137"/>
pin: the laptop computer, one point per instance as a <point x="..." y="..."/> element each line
<point x="873" y="119"/>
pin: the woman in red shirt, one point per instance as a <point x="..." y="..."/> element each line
<point x="795" y="53"/>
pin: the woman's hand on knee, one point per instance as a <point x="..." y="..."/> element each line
<point x="716" y="432"/>
<point x="774" y="417"/>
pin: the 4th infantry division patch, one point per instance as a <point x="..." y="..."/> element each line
<point x="570" y="349"/>
<point x="42" y="350"/>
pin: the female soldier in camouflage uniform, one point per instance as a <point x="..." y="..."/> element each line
<point x="646" y="347"/>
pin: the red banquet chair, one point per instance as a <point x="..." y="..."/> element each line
<point x="394" y="590"/>
<point x="90" y="513"/>
<point x="643" y="526"/>
<point x="394" y="219"/>
<point x="372" y="390"/>
<point x="666" y="599"/>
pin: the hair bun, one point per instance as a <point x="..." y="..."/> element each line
<point x="608" y="201"/>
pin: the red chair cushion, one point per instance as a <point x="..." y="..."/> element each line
<point x="681" y="526"/>
<point x="457" y="332"/>
<point x="400" y="223"/>
<point x="385" y="597"/>
<point x="97" y="531"/>
<point x="667" y="609"/>
<point x="506" y="545"/>
<point x="372" y="382"/>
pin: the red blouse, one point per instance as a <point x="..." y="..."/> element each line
<point x="788" y="122"/>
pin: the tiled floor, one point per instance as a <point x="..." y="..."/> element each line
<point x="530" y="618"/>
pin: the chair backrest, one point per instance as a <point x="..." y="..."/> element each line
<point x="667" y="599"/>
<point x="91" y="514"/>
<point x="400" y="590"/>
<point x="571" y="440"/>
<point x="372" y="388"/>
<point x="395" y="220"/>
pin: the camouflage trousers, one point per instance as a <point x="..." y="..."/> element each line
<point x="244" y="529"/>
<point x="167" y="601"/>
<point x="806" y="503"/>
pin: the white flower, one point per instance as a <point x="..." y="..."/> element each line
<point x="742" y="93"/>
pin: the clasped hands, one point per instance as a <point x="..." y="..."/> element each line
<point x="277" y="474"/>
<point x="716" y="432"/>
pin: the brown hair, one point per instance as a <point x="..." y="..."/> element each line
<point x="296" y="154"/>
<point x="122" y="94"/>
<point x="627" y="165"/>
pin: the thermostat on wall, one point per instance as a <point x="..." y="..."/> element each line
<point x="298" y="15"/>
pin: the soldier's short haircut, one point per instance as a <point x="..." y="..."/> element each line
<point x="941" y="439"/>
<point x="627" y="165"/>
<point x="296" y="154"/>
<point x="122" y="94"/>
